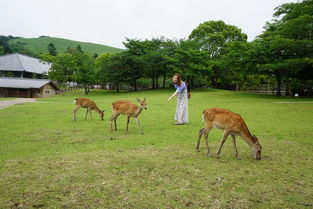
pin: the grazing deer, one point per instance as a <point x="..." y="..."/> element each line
<point x="233" y="125"/>
<point x="89" y="104"/>
<point x="129" y="109"/>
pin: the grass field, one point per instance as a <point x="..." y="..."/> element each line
<point x="49" y="161"/>
<point x="40" y="45"/>
<point x="6" y="98"/>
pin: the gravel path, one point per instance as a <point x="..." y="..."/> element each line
<point x="8" y="103"/>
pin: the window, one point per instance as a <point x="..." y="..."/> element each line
<point x="46" y="91"/>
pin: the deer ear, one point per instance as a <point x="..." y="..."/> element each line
<point x="138" y="99"/>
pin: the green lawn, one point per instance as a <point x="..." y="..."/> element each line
<point x="6" y="98"/>
<point x="49" y="161"/>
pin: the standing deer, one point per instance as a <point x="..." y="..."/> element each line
<point x="233" y="125"/>
<point x="89" y="104"/>
<point x="129" y="109"/>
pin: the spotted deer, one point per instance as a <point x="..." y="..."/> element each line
<point x="129" y="109"/>
<point x="233" y="125"/>
<point x="89" y="105"/>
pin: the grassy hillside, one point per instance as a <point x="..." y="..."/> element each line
<point x="49" y="161"/>
<point x="40" y="45"/>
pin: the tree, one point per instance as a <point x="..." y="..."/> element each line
<point x="95" y="55"/>
<point x="286" y="45"/>
<point x="52" y="50"/>
<point x="236" y="63"/>
<point x="190" y="60"/>
<point x="2" y="51"/>
<point x="61" y="69"/>
<point x="83" y="70"/>
<point x="213" y="37"/>
<point x="79" y="48"/>
<point x="101" y="66"/>
<point x="115" y="70"/>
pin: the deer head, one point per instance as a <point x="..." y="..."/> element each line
<point x="101" y="114"/>
<point x="256" y="147"/>
<point x="142" y="103"/>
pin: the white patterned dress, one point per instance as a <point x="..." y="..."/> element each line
<point x="181" y="114"/>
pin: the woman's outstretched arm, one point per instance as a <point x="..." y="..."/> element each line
<point x="175" y="93"/>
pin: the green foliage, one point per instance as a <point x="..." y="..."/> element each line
<point x="285" y="48"/>
<point x="4" y="43"/>
<point x="83" y="70"/>
<point x="2" y="51"/>
<point x="61" y="69"/>
<point x="79" y="48"/>
<point x="52" y="50"/>
<point x="213" y="36"/>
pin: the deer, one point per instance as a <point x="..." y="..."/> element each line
<point x="233" y="125"/>
<point x="89" y="104"/>
<point x="129" y="109"/>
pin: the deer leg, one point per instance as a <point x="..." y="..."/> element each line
<point x="206" y="135"/>
<point x="127" y="123"/>
<point x="90" y="114"/>
<point x="113" y="117"/>
<point x="223" y="141"/>
<point x="115" y="124"/>
<point x="201" y="132"/>
<point x="139" y="125"/>
<point x="234" y="143"/>
<point x="74" y="112"/>
<point x="86" y="113"/>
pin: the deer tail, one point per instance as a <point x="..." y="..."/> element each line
<point x="75" y="101"/>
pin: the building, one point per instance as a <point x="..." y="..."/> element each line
<point x="27" y="87"/>
<point x="22" y="76"/>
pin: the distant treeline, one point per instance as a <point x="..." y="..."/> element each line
<point x="214" y="55"/>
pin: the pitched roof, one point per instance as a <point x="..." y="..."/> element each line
<point x="19" y="62"/>
<point x="24" y="83"/>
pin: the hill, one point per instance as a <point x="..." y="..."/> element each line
<point x="40" y="45"/>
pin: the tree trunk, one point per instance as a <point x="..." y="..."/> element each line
<point x="135" y="84"/>
<point x="164" y="78"/>
<point x="287" y="87"/>
<point x="157" y="82"/>
<point x="153" y="83"/>
<point x="85" y="89"/>
<point x="278" y="81"/>
<point x="117" y="89"/>
<point x="237" y="86"/>
<point x="214" y="82"/>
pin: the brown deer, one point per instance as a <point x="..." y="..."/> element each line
<point x="233" y="125"/>
<point x="89" y="104"/>
<point x="129" y="109"/>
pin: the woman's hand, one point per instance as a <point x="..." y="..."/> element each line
<point x="175" y="94"/>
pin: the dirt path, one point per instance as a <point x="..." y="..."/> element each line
<point x="8" y="103"/>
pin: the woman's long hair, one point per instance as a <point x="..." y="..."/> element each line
<point x="178" y="78"/>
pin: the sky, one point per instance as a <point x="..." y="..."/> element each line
<point x="109" y="22"/>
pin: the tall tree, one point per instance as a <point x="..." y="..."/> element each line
<point x="79" y="48"/>
<point x="83" y="70"/>
<point x="213" y="36"/>
<point x="52" y="50"/>
<point x="286" y="45"/>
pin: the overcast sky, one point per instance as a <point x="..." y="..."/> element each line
<point x="110" y="21"/>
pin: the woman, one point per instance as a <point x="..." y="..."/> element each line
<point x="181" y="115"/>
